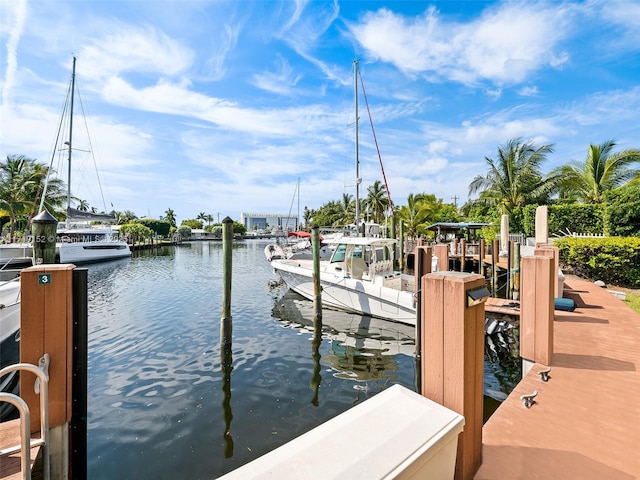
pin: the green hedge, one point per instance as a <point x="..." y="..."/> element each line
<point x="622" y="215"/>
<point x="614" y="260"/>
<point x="576" y="218"/>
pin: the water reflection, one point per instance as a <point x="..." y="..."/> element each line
<point x="226" y="363"/>
<point x="361" y="348"/>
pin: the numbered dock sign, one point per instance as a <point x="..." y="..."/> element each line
<point x="44" y="278"/>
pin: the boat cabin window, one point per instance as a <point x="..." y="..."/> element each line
<point x="338" y="254"/>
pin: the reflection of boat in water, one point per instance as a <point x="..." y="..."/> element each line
<point x="362" y="348"/>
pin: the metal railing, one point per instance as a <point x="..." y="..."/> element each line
<point x="26" y="442"/>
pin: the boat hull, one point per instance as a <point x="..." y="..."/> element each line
<point x="88" y="252"/>
<point x="349" y="294"/>
<point x="9" y="341"/>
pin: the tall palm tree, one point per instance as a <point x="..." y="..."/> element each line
<point x="346" y="211"/>
<point x="602" y="170"/>
<point x="514" y="179"/>
<point x="83" y="205"/>
<point x="377" y="201"/>
<point x="202" y="216"/>
<point x="170" y="217"/>
<point x="415" y="214"/>
<point x="21" y="187"/>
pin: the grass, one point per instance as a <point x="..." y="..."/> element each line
<point x="633" y="300"/>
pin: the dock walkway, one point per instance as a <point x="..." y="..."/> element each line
<point x="585" y="422"/>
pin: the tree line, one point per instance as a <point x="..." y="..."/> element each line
<point x="513" y="180"/>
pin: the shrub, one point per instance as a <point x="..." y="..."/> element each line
<point x="613" y="260"/>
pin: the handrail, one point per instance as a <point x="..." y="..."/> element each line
<point x="25" y="419"/>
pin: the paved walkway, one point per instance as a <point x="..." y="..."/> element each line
<point x="585" y="423"/>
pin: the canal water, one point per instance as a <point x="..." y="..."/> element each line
<point x="165" y="403"/>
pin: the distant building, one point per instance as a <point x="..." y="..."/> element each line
<point x="268" y="221"/>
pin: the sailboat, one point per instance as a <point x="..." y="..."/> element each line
<point x="359" y="277"/>
<point x="84" y="237"/>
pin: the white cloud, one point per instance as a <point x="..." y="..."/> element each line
<point x="14" y="12"/>
<point x="504" y="45"/>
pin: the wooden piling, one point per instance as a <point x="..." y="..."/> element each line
<point x="317" y="287"/>
<point x="44" y="238"/>
<point x="463" y="253"/>
<point x="226" y="323"/>
<point x="46" y="326"/>
<point x="442" y="252"/>
<point x="401" y="247"/>
<point x="453" y="357"/>
<point x="495" y="258"/>
<point x="481" y="257"/>
<point x="536" y="309"/>
<point x="516" y="272"/>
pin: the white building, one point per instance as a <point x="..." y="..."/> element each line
<point x="268" y="221"/>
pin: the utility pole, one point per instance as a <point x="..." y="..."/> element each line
<point x="455" y="200"/>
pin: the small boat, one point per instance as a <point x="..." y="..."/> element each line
<point x="358" y="278"/>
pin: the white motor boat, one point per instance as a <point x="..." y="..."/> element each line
<point x="9" y="338"/>
<point x="358" y="278"/>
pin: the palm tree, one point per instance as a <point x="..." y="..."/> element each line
<point x="202" y="216"/>
<point x="346" y="211"/>
<point x="208" y="218"/>
<point x="83" y="205"/>
<point x="377" y="201"/>
<point x="415" y="213"/>
<point x="170" y="217"/>
<point x="514" y="179"/>
<point x="602" y="171"/>
<point x="21" y="187"/>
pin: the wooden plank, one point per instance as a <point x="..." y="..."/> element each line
<point x="584" y="422"/>
<point x="10" y="464"/>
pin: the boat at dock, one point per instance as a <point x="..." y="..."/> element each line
<point x="84" y="236"/>
<point x="358" y="278"/>
<point x="9" y="338"/>
<point x="297" y="246"/>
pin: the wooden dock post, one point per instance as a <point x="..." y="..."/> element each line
<point x="463" y="253"/>
<point x="516" y="271"/>
<point x="550" y="251"/>
<point x="401" y="247"/>
<point x="481" y="257"/>
<point x="317" y="288"/>
<point x="44" y="238"/>
<point x="453" y="355"/>
<point x="226" y="323"/>
<point x="495" y="258"/>
<point x="423" y="260"/>
<point x="46" y="326"/>
<point x="536" y="311"/>
<point x="442" y="252"/>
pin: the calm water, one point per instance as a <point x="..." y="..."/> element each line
<point x="165" y="402"/>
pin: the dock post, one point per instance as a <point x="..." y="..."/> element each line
<point x="423" y="260"/>
<point x="495" y="257"/>
<point x="43" y="228"/>
<point x="536" y="311"/>
<point x="453" y="355"/>
<point x="226" y="331"/>
<point x="481" y="257"/>
<point x="46" y="326"/>
<point x="516" y="271"/>
<point x="226" y="324"/>
<point x="401" y="247"/>
<point x="550" y="251"/>
<point x="316" y="377"/>
<point x="463" y="252"/>
<point x="317" y="287"/>
<point x="442" y="252"/>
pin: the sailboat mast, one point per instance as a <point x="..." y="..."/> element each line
<point x="69" y="143"/>
<point x="358" y="179"/>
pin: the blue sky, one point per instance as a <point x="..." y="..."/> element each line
<point x="222" y="106"/>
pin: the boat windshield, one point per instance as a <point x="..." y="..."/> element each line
<point x="338" y="254"/>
